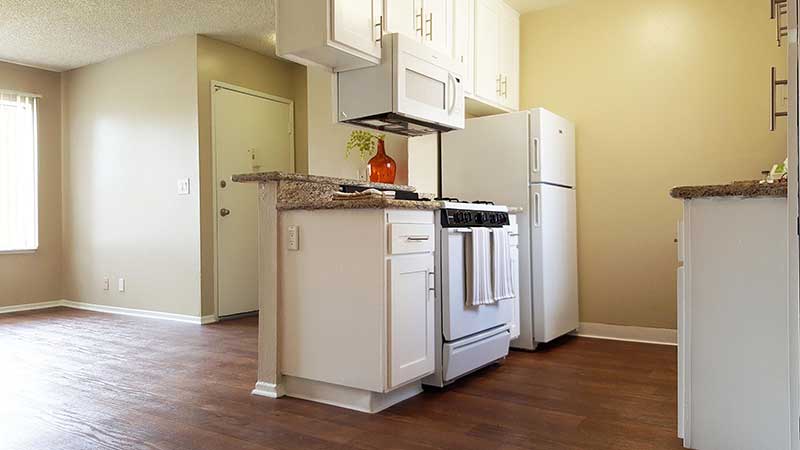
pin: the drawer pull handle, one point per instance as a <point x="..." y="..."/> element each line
<point x="418" y="238"/>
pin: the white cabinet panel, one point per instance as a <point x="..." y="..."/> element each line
<point x="463" y="43"/>
<point x="354" y="24"/>
<point x="411" y="310"/>
<point x="487" y="74"/>
<point x="404" y="17"/>
<point x="437" y="24"/>
<point x="508" y="63"/>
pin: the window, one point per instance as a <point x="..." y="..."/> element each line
<point x="18" y="172"/>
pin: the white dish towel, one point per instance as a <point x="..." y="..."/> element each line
<point x="502" y="282"/>
<point x="479" y="266"/>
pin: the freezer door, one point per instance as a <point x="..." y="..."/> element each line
<point x="554" y="261"/>
<point x="552" y="149"/>
<point x="488" y="160"/>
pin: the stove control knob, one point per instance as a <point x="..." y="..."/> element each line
<point x="480" y="217"/>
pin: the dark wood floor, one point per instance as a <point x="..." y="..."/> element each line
<point x="73" y="379"/>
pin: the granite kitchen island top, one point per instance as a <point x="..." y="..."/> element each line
<point x="736" y="189"/>
<point x="300" y="191"/>
<point x="262" y="177"/>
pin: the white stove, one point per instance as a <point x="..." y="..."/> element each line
<point x="468" y="337"/>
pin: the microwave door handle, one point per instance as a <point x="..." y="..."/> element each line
<point x="451" y="83"/>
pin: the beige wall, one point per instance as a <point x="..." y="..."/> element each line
<point x="130" y="133"/>
<point x="663" y="93"/>
<point x="36" y="277"/>
<point x="327" y="138"/>
<point x="219" y="61"/>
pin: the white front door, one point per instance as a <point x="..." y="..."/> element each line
<point x="252" y="133"/>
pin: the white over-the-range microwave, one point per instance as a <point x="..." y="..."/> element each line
<point x="415" y="90"/>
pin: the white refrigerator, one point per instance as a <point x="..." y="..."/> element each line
<point x="526" y="159"/>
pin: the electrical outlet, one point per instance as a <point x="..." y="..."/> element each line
<point x="121" y="284"/>
<point x="106" y="284"/>
<point x="183" y="186"/>
<point x="294" y="237"/>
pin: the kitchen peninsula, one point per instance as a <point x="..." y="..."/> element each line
<point x="345" y="292"/>
<point x="733" y="328"/>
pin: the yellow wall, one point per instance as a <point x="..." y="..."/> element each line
<point x="663" y="93"/>
<point x="219" y="61"/>
<point x="130" y="133"/>
<point x="36" y="277"/>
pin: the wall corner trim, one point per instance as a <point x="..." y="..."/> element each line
<point x="185" y="318"/>
<point x="660" y="336"/>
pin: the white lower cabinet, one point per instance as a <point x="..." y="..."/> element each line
<point x="411" y="310"/>
<point x="358" y="333"/>
<point x="733" y="336"/>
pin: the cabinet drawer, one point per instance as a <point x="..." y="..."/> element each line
<point x="410" y="238"/>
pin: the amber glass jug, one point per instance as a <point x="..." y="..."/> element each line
<point x="382" y="168"/>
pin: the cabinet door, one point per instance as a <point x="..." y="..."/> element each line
<point x="487" y="75"/>
<point x="437" y="15"/>
<point x="404" y="17"/>
<point x="509" y="57"/>
<point x="355" y="23"/>
<point x="463" y="40"/>
<point x="411" y="338"/>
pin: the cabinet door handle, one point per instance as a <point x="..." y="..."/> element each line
<point x="430" y="26"/>
<point x="504" y="85"/>
<point x="498" y="84"/>
<point x="379" y="26"/>
<point x="419" y="16"/>
<point x="773" y="114"/>
<point x="224" y="212"/>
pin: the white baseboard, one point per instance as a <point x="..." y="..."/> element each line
<point x="661" y="336"/>
<point x="30" y="306"/>
<point x="265" y="389"/>
<point x="185" y="318"/>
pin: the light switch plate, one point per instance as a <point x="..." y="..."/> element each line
<point x="183" y="186"/>
<point x="294" y="237"/>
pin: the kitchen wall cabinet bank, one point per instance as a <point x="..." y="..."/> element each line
<point x="733" y="335"/>
<point x="346" y="34"/>
<point x="358" y="314"/>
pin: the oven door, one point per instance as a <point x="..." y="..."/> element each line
<point x="458" y="319"/>
<point x="426" y="88"/>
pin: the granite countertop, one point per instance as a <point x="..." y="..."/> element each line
<point x="286" y="176"/>
<point x="735" y="189"/>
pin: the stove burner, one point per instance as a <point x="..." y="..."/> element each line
<point x="483" y="202"/>
<point x="447" y="199"/>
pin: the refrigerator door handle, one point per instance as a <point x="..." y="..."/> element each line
<point x="537" y="209"/>
<point x="536" y="156"/>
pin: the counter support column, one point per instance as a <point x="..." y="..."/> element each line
<point x="269" y="377"/>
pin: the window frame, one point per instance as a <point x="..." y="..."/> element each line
<point x="36" y="98"/>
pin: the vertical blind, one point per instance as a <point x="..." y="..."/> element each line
<point x="18" y="172"/>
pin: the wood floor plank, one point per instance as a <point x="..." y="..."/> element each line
<point x="75" y="379"/>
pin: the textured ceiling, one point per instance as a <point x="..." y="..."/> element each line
<point x="525" y="6"/>
<point x="65" y="34"/>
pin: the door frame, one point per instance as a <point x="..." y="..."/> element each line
<point x="216" y="86"/>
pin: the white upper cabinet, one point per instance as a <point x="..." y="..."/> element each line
<point x="487" y="41"/>
<point x="404" y="17"/>
<point x="347" y="39"/>
<point x="496" y="58"/>
<point x="428" y="21"/>
<point x="463" y="40"/>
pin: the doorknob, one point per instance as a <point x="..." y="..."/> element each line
<point x="224" y="212"/>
